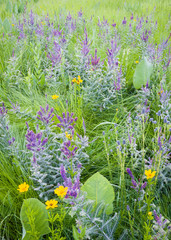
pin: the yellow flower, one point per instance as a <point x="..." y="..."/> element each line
<point x="23" y="187"/>
<point x="74" y="80"/>
<point x="77" y="81"/>
<point x="61" y="191"/>
<point x="51" y="204"/>
<point x="68" y="136"/>
<point x="54" y="97"/>
<point x="116" y="109"/>
<point x="42" y="23"/>
<point x="136" y="62"/>
<point x="150" y="174"/>
<point x="149" y="213"/>
<point x="134" y="20"/>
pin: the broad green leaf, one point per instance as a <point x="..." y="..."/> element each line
<point x="34" y="215"/>
<point x="99" y="189"/>
<point x="6" y="25"/>
<point x="142" y="73"/>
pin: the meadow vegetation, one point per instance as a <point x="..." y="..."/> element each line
<point x="85" y="119"/>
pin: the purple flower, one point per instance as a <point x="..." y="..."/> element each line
<point x="117" y="82"/>
<point x="145" y="36"/>
<point x="11" y="141"/>
<point x="66" y="149"/>
<point x="80" y="13"/>
<point x="85" y="45"/>
<point x="35" y="142"/>
<point x="31" y="20"/>
<point x="112" y="53"/>
<point x="3" y="110"/>
<point x="45" y="116"/>
<point x="124" y="21"/>
<point x="67" y="122"/>
<point x="113" y="24"/>
<point x="130" y="173"/>
<point x="143" y="186"/>
<point x="128" y="208"/>
<point x="132" y="17"/>
<point x="95" y="60"/>
<point x="134" y="183"/>
<point x="73" y="186"/>
<point x="56" y="55"/>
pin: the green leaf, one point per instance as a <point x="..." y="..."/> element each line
<point x="142" y="73"/>
<point x="99" y="189"/>
<point x="75" y="233"/>
<point x="34" y="218"/>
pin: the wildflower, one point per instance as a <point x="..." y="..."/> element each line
<point x="150" y="174"/>
<point x="23" y="187"/>
<point x="74" y="80"/>
<point x="136" y="62"/>
<point x="68" y="135"/>
<point x="61" y="191"/>
<point x="77" y="81"/>
<point x="116" y="109"/>
<point x="124" y="21"/>
<point x="51" y="204"/>
<point x="13" y="24"/>
<point x="42" y="23"/>
<point x="149" y="213"/>
<point x="54" y="97"/>
<point x="159" y="93"/>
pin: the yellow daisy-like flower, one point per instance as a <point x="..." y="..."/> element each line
<point x="61" y="191"/>
<point x="149" y="213"/>
<point x="23" y="187"/>
<point x="13" y="24"/>
<point x="54" y="97"/>
<point x="149" y="174"/>
<point x="77" y="81"/>
<point x="116" y="109"/>
<point x="136" y="62"/>
<point x="74" y="80"/>
<point x="51" y="203"/>
<point x="68" y="135"/>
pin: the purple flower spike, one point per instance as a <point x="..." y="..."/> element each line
<point x="3" y="110"/>
<point x="144" y="185"/>
<point x="35" y="142"/>
<point x="132" y="17"/>
<point x="124" y="21"/>
<point x="128" y="208"/>
<point x="130" y="173"/>
<point x="67" y="122"/>
<point x="56" y="55"/>
<point x="45" y="116"/>
<point x="95" y="60"/>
